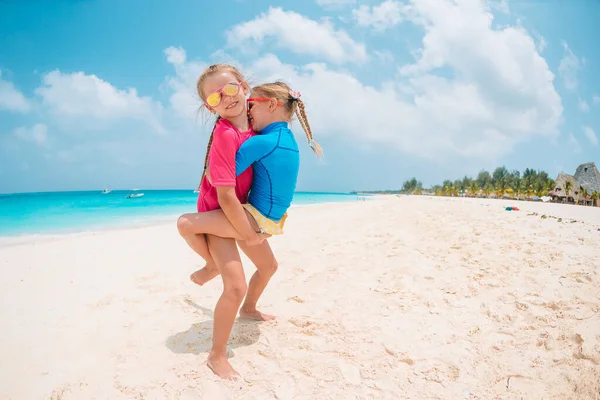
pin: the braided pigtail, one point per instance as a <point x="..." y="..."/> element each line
<point x="301" y="115"/>
<point x="208" y="150"/>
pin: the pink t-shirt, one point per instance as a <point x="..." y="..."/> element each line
<point x="227" y="139"/>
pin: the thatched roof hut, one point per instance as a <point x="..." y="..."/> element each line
<point x="588" y="177"/>
<point x="560" y="188"/>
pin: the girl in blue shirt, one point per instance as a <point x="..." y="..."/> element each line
<point x="274" y="157"/>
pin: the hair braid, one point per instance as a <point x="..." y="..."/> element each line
<point x="301" y="115"/>
<point x="208" y="149"/>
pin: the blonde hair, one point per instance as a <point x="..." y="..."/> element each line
<point x="292" y="105"/>
<point x="211" y="70"/>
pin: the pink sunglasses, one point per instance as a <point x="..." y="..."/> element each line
<point x="251" y="99"/>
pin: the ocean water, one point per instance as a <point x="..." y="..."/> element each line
<point x="71" y="212"/>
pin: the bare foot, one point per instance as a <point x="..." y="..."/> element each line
<point x="255" y="314"/>
<point x="221" y="367"/>
<point x="204" y="275"/>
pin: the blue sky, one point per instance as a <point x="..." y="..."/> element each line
<point x="98" y="94"/>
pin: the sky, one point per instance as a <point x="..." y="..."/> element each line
<point x="101" y="94"/>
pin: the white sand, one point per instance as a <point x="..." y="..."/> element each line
<point x="396" y="298"/>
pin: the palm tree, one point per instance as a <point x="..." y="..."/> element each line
<point x="568" y="186"/>
<point x="473" y="187"/>
<point x="529" y="191"/>
<point x="488" y="189"/>
<point x="540" y="192"/>
<point x="454" y="188"/>
<point x="585" y="195"/>
<point x="549" y="186"/>
<point x="595" y="196"/>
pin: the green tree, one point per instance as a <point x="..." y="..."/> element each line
<point x="585" y="194"/>
<point x="514" y="182"/>
<point x="595" y="196"/>
<point x="499" y="179"/>
<point x="412" y="186"/>
<point x="483" y="178"/>
<point x="473" y="189"/>
<point x="447" y="187"/>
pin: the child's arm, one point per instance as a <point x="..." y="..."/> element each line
<point x="253" y="150"/>
<point x="236" y="214"/>
<point x="250" y="151"/>
<point x="222" y="170"/>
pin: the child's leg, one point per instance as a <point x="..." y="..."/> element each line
<point x="197" y="242"/>
<point x="192" y="227"/>
<point x="209" y="271"/>
<point x="229" y="263"/>
<point x="211" y="222"/>
<point x="262" y="256"/>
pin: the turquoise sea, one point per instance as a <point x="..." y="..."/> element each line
<point x="71" y="212"/>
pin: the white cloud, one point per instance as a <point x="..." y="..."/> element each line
<point x="499" y="5"/>
<point x="11" y="98"/>
<point x="501" y="74"/>
<point x="502" y="93"/>
<point x="175" y="55"/>
<point x="298" y="34"/>
<point x="583" y="106"/>
<point x="541" y="43"/>
<point x="184" y="99"/>
<point x="383" y="16"/>
<point x="91" y="101"/>
<point x="37" y="134"/>
<point x="591" y="135"/>
<point x="335" y="3"/>
<point x="596" y="99"/>
<point x="574" y="143"/>
<point x="569" y="66"/>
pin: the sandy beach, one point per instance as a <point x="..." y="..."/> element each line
<point x="400" y="297"/>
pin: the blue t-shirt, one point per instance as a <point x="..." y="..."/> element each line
<point x="275" y="159"/>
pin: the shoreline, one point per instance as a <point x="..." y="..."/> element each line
<point x="553" y="209"/>
<point x="156" y="221"/>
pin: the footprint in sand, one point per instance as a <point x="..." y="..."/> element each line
<point x="401" y="357"/>
<point x="58" y="393"/>
<point x="312" y="328"/>
<point x="441" y="373"/>
<point x="296" y="299"/>
<point x="306" y="327"/>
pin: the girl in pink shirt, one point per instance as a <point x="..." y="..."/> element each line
<point x="223" y="90"/>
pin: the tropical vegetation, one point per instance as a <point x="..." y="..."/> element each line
<point x="499" y="183"/>
<point x="531" y="184"/>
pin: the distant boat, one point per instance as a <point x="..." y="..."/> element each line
<point x="134" y="194"/>
<point x="106" y="191"/>
<point x="196" y="191"/>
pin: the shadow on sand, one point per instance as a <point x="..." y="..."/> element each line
<point x="198" y="338"/>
